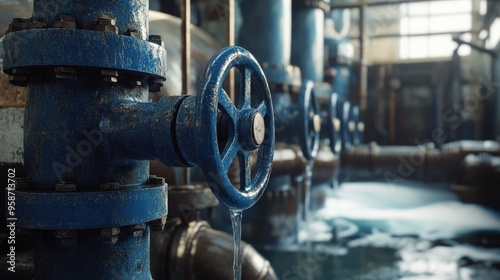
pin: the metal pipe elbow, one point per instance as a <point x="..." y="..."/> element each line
<point x="196" y="251"/>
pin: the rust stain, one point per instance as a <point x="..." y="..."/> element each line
<point x="10" y="95"/>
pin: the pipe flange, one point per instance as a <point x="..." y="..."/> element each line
<point x="19" y="24"/>
<point x="283" y="77"/>
<point x="75" y="210"/>
<point x="317" y="4"/>
<point x="69" y="56"/>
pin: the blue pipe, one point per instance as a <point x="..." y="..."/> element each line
<point x="269" y="37"/>
<point x="89" y="133"/>
<point x="308" y="42"/>
<point x="340" y="58"/>
<point x="91" y="210"/>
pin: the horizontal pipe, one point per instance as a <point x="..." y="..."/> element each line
<point x="421" y="162"/>
<point x="196" y="251"/>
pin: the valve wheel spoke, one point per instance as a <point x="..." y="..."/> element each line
<point x="229" y="153"/>
<point x="227" y="106"/>
<point x="245" y="88"/>
<point x="245" y="170"/>
<point x="262" y="109"/>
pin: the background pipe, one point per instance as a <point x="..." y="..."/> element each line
<point x="308" y="38"/>
<point x="269" y="37"/>
<point x="196" y="251"/>
<point x="326" y="166"/>
<point x="420" y="162"/>
<point x="288" y="160"/>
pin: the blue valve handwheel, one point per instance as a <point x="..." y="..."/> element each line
<point x="345" y="121"/>
<point x="246" y="127"/>
<point x="330" y="128"/>
<point x="308" y="113"/>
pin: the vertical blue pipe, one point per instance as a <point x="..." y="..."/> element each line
<point x="265" y="31"/>
<point x="308" y="42"/>
<point x="64" y="142"/>
<point x="64" y="139"/>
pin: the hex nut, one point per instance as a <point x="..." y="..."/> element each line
<point x="137" y="230"/>
<point x="109" y="186"/>
<point x="107" y="28"/>
<point x="109" y="235"/>
<point x="106" y="21"/>
<point x="135" y="83"/>
<point x="109" y="240"/>
<point x="37" y="23"/>
<point x="65" y="22"/>
<point x="158" y="225"/>
<point x="138" y="233"/>
<point x="64" y="72"/>
<point x="107" y="25"/>
<point x="104" y="232"/>
<point x="63" y="234"/>
<point x="18" y="24"/>
<point x="109" y="75"/>
<point x="16" y="80"/>
<point x="65" y="187"/>
<point x="156" y="39"/>
<point x="133" y="33"/>
<point x="154" y="180"/>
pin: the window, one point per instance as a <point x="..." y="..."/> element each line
<point x="492" y="42"/>
<point x="427" y="27"/>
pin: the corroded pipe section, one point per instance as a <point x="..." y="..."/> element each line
<point x="418" y="162"/>
<point x="196" y="251"/>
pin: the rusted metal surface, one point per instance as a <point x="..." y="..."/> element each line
<point x="196" y="251"/>
<point x="11" y="96"/>
<point x="86" y="206"/>
<point x="424" y="162"/>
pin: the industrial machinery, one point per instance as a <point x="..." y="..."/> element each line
<point x="292" y="56"/>
<point x="88" y="199"/>
<point x="120" y="171"/>
<point x="298" y="122"/>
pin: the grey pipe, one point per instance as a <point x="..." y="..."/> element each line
<point x="266" y="30"/>
<point x="308" y="42"/>
<point x="196" y="251"/>
<point x="419" y="162"/>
